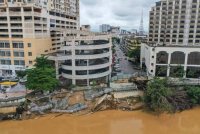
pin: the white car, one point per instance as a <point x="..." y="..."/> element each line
<point x="117" y="65"/>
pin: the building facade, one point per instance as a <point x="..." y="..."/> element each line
<point x="173" y="47"/>
<point x="26" y="30"/>
<point x="104" y="28"/>
<point x="84" y="59"/>
<point x="175" y="22"/>
<point x="171" y="61"/>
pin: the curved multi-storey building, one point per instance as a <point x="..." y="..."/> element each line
<point x="84" y="59"/>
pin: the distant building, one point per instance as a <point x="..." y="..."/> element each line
<point x="104" y="28"/>
<point x="123" y="32"/>
<point x="134" y="31"/>
<point x="85" y="28"/>
<point x="115" y="30"/>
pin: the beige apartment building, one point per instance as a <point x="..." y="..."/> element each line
<point x="27" y="30"/>
<point x="174" y="40"/>
<point x="175" y="22"/>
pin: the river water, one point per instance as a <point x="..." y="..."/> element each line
<point x="108" y="122"/>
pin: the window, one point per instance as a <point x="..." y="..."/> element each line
<point x="18" y="45"/>
<point x="5" y="53"/>
<point x="5" y="62"/>
<point x="29" y="44"/>
<point x="178" y="57"/>
<point x="4" y="45"/>
<point x="19" y="62"/>
<point x="18" y="54"/>
<point x="29" y="53"/>
<point x="162" y="57"/>
<point x="30" y="62"/>
<point x="194" y="58"/>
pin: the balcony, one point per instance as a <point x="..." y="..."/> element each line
<point x="3" y="13"/>
<point x="3" y="32"/>
<point x="85" y="67"/>
<point x="16" y="27"/>
<point x="38" y="21"/>
<point x="28" y="13"/>
<point x="3" y="27"/>
<point x="36" y="14"/>
<point x="15" y="13"/>
<point x="3" y="21"/>
<point x="15" y="20"/>
<point x="89" y="76"/>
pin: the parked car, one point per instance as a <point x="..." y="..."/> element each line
<point x="118" y="70"/>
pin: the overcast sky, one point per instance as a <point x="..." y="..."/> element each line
<point x="124" y="13"/>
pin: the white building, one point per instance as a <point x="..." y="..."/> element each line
<point x="84" y="58"/>
<point x="170" y="61"/>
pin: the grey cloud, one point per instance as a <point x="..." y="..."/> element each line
<point x="124" y="13"/>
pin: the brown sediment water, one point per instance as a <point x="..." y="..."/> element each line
<point x="108" y="122"/>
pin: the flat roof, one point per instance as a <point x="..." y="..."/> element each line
<point x="169" y="45"/>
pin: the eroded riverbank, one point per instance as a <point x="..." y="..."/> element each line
<point x="108" y="122"/>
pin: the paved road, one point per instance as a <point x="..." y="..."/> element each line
<point x="125" y="65"/>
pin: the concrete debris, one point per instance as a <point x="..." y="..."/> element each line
<point x="92" y="94"/>
<point x="100" y="101"/>
<point x="40" y="109"/>
<point x="72" y="109"/>
<point x="124" y="96"/>
<point x="120" y="95"/>
<point x="60" y="104"/>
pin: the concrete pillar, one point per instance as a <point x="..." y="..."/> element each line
<point x="73" y="82"/>
<point x="57" y="69"/>
<point x="88" y="82"/>
<point x="185" y="65"/>
<point x="73" y="62"/>
<point x="8" y="20"/>
<point x="168" y="64"/>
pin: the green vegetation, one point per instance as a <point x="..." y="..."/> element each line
<point x="178" y="72"/>
<point x="115" y="39"/>
<point x="160" y="97"/>
<point x="113" y="50"/>
<point x="155" y="98"/>
<point x="21" y="74"/>
<point x="194" y="94"/>
<point x="43" y="76"/>
<point x="135" y="53"/>
<point x="43" y="62"/>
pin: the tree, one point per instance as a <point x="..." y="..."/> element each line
<point x="41" y="79"/>
<point x="135" y="53"/>
<point x="43" y="76"/>
<point x="42" y="62"/>
<point x="115" y="39"/>
<point x="21" y="74"/>
<point x="155" y="97"/>
<point x="194" y="94"/>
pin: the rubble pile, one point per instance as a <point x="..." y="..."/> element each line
<point x="120" y="96"/>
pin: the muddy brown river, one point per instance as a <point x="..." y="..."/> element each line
<point x="108" y="122"/>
